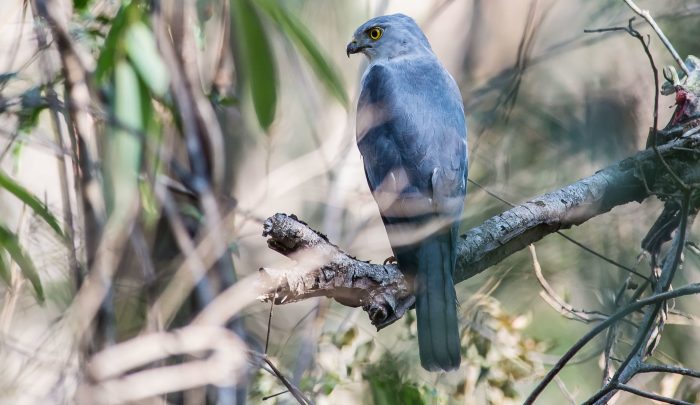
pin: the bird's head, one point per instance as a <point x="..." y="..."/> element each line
<point x="387" y="37"/>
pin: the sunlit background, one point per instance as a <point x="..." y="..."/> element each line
<point x="545" y="103"/>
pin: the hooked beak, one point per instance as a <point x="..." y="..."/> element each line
<point x="354" y="47"/>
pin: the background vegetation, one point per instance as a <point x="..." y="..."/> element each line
<point x="142" y="144"/>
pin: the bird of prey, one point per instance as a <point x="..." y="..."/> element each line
<point x="412" y="135"/>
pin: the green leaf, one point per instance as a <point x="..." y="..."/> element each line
<point x="80" y="4"/>
<point x="149" y="202"/>
<point x="144" y="56"/>
<point x="303" y="40"/>
<point x="4" y="269"/>
<point x="124" y="142"/>
<point x="10" y="242"/>
<point x="31" y="200"/>
<point x="32" y="105"/>
<point x="345" y="339"/>
<point x="329" y="382"/>
<point x="111" y="50"/>
<point x="254" y="58"/>
<point x="387" y="384"/>
<point x="28" y="119"/>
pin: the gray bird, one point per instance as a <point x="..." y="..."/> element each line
<point x="412" y="135"/>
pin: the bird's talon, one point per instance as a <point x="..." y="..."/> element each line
<point x="390" y="260"/>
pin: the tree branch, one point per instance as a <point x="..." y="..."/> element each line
<point x="323" y="269"/>
<point x="663" y="368"/>
<point x="689" y="289"/>
<point x="652" y="396"/>
<point x="648" y="18"/>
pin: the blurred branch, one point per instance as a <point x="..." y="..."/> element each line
<point x="219" y="358"/>
<point x="569" y="397"/>
<point x="64" y="161"/>
<point x="79" y="96"/>
<point x="555" y="301"/>
<point x="323" y="269"/>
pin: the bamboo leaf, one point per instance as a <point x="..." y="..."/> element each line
<point x="304" y="41"/>
<point x="31" y="200"/>
<point x="124" y="141"/>
<point x="254" y="57"/>
<point x="144" y="56"/>
<point x="110" y="49"/>
<point x="10" y="242"/>
<point x="4" y="268"/>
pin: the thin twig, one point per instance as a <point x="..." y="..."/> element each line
<point x="623" y="312"/>
<point x="62" y="161"/>
<point x="632" y="362"/>
<point x="655" y="128"/>
<point x="274" y="395"/>
<point x="555" y="301"/>
<point x="663" y="368"/>
<point x="569" y="397"/>
<point x="602" y="257"/>
<point x="269" y="323"/>
<point x="647" y="16"/>
<point x="296" y="393"/>
<point x="612" y="333"/>
<point x="565" y="236"/>
<point x="650" y="395"/>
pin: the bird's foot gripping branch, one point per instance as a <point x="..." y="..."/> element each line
<point x="323" y="269"/>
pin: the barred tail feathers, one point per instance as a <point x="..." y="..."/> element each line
<point x="436" y="303"/>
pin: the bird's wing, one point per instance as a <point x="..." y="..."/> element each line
<point x="412" y="136"/>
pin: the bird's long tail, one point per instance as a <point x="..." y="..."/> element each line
<point x="436" y="302"/>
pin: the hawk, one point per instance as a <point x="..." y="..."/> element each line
<point x="412" y="135"/>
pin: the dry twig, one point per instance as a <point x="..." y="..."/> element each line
<point x="648" y="18"/>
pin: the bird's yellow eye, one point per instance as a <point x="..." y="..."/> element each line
<point x="375" y="33"/>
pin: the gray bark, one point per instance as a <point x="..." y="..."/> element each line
<point x="323" y="269"/>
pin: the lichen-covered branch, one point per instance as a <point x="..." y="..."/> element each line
<point x="323" y="269"/>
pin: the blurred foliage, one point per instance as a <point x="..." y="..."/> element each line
<point x="497" y="358"/>
<point x="258" y="63"/>
<point x="387" y="385"/>
<point x="10" y="243"/>
<point x="497" y="351"/>
<point x="546" y="105"/>
<point x="251" y="45"/>
<point x="32" y="201"/>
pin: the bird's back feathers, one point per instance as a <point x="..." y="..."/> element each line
<point x="411" y="133"/>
